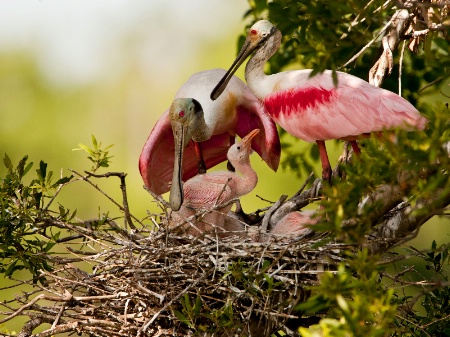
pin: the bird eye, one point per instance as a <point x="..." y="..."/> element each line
<point x="238" y="147"/>
<point x="253" y="31"/>
<point x="181" y="113"/>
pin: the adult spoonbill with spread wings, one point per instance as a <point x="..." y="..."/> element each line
<point x="212" y="123"/>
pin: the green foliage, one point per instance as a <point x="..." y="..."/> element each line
<point x="26" y="214"/>
<point x="401" y="158"/>
<point x="434" y="318"/>
<point x="354" y="298"/>
<point x="200" y="317"/>
<point x="98" y="156"/>
<point x="190" y="312"/>
<point x="22" y="208"/>
<point x="320" y="34"/>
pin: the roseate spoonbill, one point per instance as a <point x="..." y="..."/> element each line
<point x="294" y="224"/>
<point x="204" y="191"/>
<point x="238" y="111"/>
<point x="313" y="108"/>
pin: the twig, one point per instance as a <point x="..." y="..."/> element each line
<point x="265" y="223"/>
<point x="400" y="67"/>
<point x="123" y="188"/>
<point x="363" y="49"/>
<point x="56" y="194"/>
<point x="155" y="316"/>
<point x="107" y="196"/>
<point x="22" y="308"/>
<point x="432" y="83"/>
<point x="58" y="317"/>
<point x="222" y="191"/>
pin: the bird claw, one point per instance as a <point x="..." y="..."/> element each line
<point x="201" y="167"/>
<point x="316" y="188"/>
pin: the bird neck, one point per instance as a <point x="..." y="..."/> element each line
<point x="248" y="179"/>
<point x="254" y="70"/>
<point x="201" y="132"/>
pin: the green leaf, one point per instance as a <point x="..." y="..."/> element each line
<point x="7" y="162"/>
<point x="42" y="171"/>
<point x="187" y="303"/>
<point x="197" y="306"/>
<point x="62" y="181"/>
<point x="12" y="268"/>
<point x="49" y="246"/>
<point x="94" y="142"/>
<point x="27" y="168"/>
<point x="182" y="318"/>
<point x="313" y="305"/>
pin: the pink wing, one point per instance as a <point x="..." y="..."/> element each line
<point x="252" y="115"/>
<point x="209" y="189"/>
<point x="247" y="112"/>
<point x="294" y="223"/>
<point x="316" y="110"/>
<point x="157" y="157"/>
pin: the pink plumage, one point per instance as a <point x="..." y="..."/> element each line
<point x="313" y="108"/>
<point x="236" y="113"/>
<point x="294" y="224"/>
<point x="205" y="191"/>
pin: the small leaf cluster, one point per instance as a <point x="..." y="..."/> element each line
<point x="22" y="206"/>
<point x="98" y="156"/>
<point x="199" y="317"/>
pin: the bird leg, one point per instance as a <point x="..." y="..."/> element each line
<point x="355" y="148"/>
<point x="326" y="167"/>
<point x="201" y="162"/>
<point x="248" y="219"/>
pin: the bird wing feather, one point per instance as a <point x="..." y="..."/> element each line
<point x="157" y="157"/>
<point x="314" y="109"/>
<point x="208" y="190"/>
<point x="252" y="115"/>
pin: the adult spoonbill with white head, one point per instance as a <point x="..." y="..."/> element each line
<point x="313" y="108"/>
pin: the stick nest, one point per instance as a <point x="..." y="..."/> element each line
<point x="155" y="283"/>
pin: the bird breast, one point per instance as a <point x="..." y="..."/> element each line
<point x="208" y="190"/>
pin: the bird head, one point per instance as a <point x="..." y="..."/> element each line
<point x="240" y="151"/>
<point x="186" y="115"/>
<point x="257" y="37"/>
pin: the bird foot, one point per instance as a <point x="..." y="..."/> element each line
<point x="249" y="219"/>
<point x="201" y="167"/>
